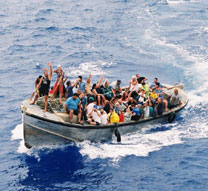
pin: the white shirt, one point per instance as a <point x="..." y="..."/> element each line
<point x="141" y="98"/>
<point x="134" y="87"/>
<point x="90" y="108"/>
<point x="95" y="116"/>
<point x="115" y="86"/>
<point x="104" y="119"/>
<point x="146" y="111"/>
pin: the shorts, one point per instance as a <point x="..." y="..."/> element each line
<point x="76" y="111"/>
<point x="43" y="92"/>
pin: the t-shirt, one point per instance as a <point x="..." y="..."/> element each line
<point x="174" y="99"/>
<point x="104" y="119"/>
<point x="107" y="90"/>
<point x="72" y="103"/>
<point x="99" y="90"/>
<point x="84" y="101"/>
<point x="121" y="117"/>
<point x="160" y="108"/>
<point x="107" y="108"/>
<point x="146" y="111"/>
<point x="127" y="117"/>
<point x="146" y="89"/>
<point x="141" y="98"/>
<point x="154" y="85"/>
<point x="82" y="87"/>
<point x="75" y="89"/>
<point x="115" y="86"/>
<point x="140" y="79"/>
<point x="134" y="87"/>
<point x="70" y="91"/>
<point x="153" y="95"/>
<point x="121" y="107"/>
<point x="90" y="108"/>
<point x="95" y="116"/>
<point x="159" y="91"/>
<point x="136" y="110"/>
<point x="45" y="85"/>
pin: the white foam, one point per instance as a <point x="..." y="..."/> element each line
<point x="22" y="148"/>
<point x="140" y="144"/>
<point x="170" y="2"/>
<point x="17" y="132"/>
<point x="93" y="68"/>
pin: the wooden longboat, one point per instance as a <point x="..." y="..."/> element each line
<point x="45" y="128"/>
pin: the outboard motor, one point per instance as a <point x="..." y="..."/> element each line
<point x="118" y="135"/>
<point x="171" y="117"/>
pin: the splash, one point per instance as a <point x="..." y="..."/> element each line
<point x="93" y="68"/>
<point x="17" y="134"/>
<point x="170" y="2"/>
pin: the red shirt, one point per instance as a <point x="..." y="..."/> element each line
<point x="121" y="117"/>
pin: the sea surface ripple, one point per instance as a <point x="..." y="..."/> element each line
<point x="167" y="39"/>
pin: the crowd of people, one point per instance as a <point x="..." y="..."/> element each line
<point x="103" y="102"/>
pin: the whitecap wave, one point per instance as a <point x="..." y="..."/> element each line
<point x="94" y="68"/>
<point x="170" y="2"/>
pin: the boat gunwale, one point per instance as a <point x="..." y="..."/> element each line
<point x="177" y="109"/>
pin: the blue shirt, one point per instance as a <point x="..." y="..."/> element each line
<point x="70" y="91"/>
<point x="71" y="103"/>
<point x="136" y="110"/>
<point x="153" y="85"/>
<point x="158" y="91"/>
<point x="82" y="87"/>
<point x="84" y="102"/>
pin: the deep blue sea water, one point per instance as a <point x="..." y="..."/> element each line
<point x="117" y="38"/>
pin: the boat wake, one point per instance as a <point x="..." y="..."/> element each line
<point x="191" y="124"/>
<point x="140" y="143"/>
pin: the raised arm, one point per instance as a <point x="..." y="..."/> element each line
<point x="50" y="71"/>
<point x="75" y="83"/>
<point x="65" y="79"/>
<point x="89" y="79"/>
<point x="39" y="83"/>
<point x="100" y="81"/>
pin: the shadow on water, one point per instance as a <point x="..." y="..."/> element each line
<point x="51" y="167"/>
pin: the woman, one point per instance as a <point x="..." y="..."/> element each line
<point x="133" y="87"/>
<point x="97" y="92"/>
<point x="59" y="83"/>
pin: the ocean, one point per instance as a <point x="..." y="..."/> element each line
<point x="117" y="38"/>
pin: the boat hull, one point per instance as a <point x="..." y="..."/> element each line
<point x="45" y="128"/>
<point x="40" y="132"/>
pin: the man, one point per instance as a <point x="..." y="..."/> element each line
<point x="160" y="107"/>
<point x="158" y="90"/>
<point x="154" y="84"/>
<point x="71" y="106"/>
<point x="44" y="85"/>
<point x="174" y="99"/>
<point x="116" y="87"/>
<point x="82" y="88"/>
<point x="90" y="106"/>
<point x="69" y="88"/>
<point x="36" y="88"/>
<point x="107" y="90"/>
<point x="135" y="113"/>
<point x="140" y="79"/>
